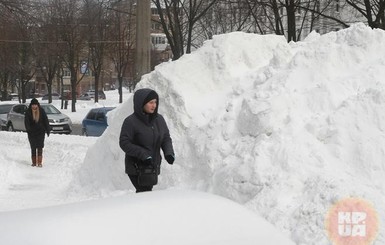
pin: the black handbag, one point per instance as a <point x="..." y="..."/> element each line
<point x="147" y="176"/>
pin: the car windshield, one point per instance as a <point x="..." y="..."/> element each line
<point x="4" y="109"/>
<point x="50" y="109"/>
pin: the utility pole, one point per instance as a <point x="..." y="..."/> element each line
<point x="143" y="41"/>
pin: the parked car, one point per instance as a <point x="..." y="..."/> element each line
<point x="59" y="122"/>
<point x="4" y="109"/>
<point x="90" y="94"/>
<point x="13" y="96"/>
<point x="95" y="121"/>
<point x="55" y="96"/>
<point x="85" y="96"/>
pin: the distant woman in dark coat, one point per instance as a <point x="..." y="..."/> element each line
<point x="36" y="125"/>
<point x="143" y="134"/>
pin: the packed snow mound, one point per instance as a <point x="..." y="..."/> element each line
<point x="286" y="129"/>
<point x="164" y="217"/>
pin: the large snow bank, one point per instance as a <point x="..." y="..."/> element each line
<point x="285" y="129"/>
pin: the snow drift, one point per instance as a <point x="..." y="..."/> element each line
<point x="164" y="217"/>
<point x="285" y="129"/>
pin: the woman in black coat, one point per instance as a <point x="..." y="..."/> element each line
<point x="142" y="135"/>
<point x="36" y="125"/>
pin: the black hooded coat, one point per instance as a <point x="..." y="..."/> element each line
<point x="143" y="135"/>
<point x="36" y="130"/>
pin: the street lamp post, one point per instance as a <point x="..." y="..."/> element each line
<point x="143" y="33"/>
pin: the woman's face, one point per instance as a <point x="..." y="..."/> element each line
<point x="150" y="106"/>
<point x="34" y="106"/>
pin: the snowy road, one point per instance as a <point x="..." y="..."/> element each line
<point x="76" y="129"/>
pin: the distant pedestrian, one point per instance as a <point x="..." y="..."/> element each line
<point x="142" y="135"/>
<point x="36" y="125"/>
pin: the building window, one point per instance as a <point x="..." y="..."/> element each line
<point x="158" y="40"/>
<point x="158" y="26"/>
<point x="67" y="73"/>
<point x="154" y="11"/>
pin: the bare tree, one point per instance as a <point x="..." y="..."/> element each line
<point x="179" y="19"/>
<point x="267" y="16"/>
<point x="11" y="7"/>
<point x="73" y="31"/>
<point x="97" y="21"/>
<point x="8" y="60"/>
<point x="172" y="22"/>
<point x="48" y="48"/>
<point x="231" y="15"/>
<point x="121" y="37"/>
<point x="25" y="67"/>
<point x="372" y="10"/>
<point x="291" y="17"/>
<point x="7" y="70"/>
<point x="16" y="47"/>
<point x="194" y="10"/>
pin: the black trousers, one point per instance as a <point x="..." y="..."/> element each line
<point x="134" y="181"/>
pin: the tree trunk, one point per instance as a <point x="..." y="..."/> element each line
<point x="178" y="32"/>
<point x="22" y="87"/>
<point x="189" y="37"/>
<point x="277" y="18"/>
<point x="120" y="79"/>
<point x="96" y="86"/>
<point x="73" y="89"/>
<point x="291" y="28"/>
<point x="49" y="88"/>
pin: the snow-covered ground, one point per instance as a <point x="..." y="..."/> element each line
<point x="286" y="130"/>
<point x="163" y="217"/>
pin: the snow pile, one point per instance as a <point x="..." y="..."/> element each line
<point x="164" y="217"/>
<point x="285" y="129"/>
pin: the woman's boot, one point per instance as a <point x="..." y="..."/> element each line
<point x="39" y="161"/>
<point x="33" y="161"/>
<point x="39" y="157"/>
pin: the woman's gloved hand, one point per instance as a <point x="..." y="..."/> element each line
<point x="170" y="159"/>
